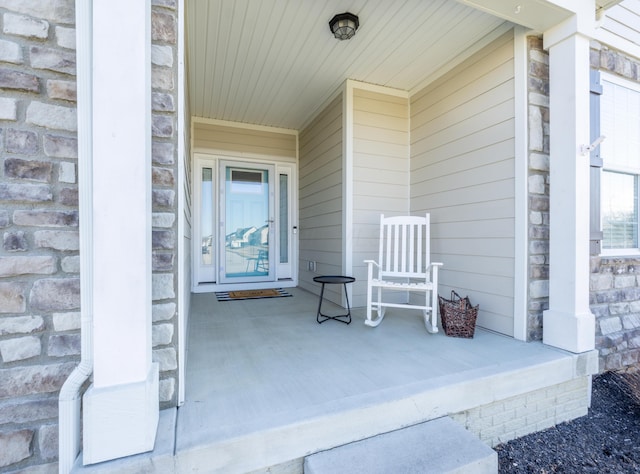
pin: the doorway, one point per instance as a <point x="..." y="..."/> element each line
<point x="243" y="224"/>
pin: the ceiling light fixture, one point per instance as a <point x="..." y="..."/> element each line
<point x="344" y="25"/>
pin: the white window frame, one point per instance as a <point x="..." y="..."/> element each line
<point x="634" y="86"/>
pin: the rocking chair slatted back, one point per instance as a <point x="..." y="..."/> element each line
<point x="404" y="264"/>
<point x="404" y="247"/>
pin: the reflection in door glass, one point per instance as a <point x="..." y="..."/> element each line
<point x="206" y="216"/>
<point x="247" y="223"/>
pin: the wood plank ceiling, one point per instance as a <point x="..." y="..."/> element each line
<point x="275" y="62"/>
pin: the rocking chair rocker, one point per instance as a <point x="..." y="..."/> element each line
<point x="404" y="265"/>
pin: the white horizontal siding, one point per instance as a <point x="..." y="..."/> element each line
<point x="475" y="247"/>
<point x="621" y="27"/>
<point x="495" y="208"/>
<point x="380" y="174"/>
<point x="463" y="173"/>
<point x="474" y="158"/>
<point x="244" y="142"/>
<point x="320" y="199"/>
<point x="500" y="266"/>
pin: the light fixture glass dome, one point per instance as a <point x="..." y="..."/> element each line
<point x="344" y="25"/>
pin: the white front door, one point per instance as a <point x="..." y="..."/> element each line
<point x="244" y="224"/>
<point x="247" y="222"/>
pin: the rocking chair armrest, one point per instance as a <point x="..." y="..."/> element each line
<point x="433" y="268"/>
<point x="370" y="271"/>
<point x="432" y="274"/>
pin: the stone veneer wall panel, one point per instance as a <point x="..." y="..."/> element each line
<point x="615" y="282"/>
<point x="39" y="256"/>
<point x="538" y="185"/>
<point x="39" y="273"/>
<point x="164" y="97"/>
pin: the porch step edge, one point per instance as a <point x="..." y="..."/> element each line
<point x="438" y="446"/>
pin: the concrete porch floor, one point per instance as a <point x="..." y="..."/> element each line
<point x="266" y="385"/>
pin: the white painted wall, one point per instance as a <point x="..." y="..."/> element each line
<point x="463" y="173"/>
<point x="320" y="198"/>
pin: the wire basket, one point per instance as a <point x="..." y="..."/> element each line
<point x="458" y="316"/>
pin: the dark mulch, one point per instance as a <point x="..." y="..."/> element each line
<point x="607" y="440"/>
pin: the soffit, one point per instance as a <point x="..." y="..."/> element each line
<point x="275" y="62"/>
<point x="538" y="15"/>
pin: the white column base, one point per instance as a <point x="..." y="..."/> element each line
<point x="120" y="420"/>
<point x="569" y="331"/>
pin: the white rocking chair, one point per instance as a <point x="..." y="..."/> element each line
<point x="404" y="265"/>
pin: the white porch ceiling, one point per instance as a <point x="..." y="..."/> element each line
<point x="275" y="62"/>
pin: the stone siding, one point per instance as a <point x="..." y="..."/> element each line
<point x="164" y="172"/>
<point x="39" y="274"/>
<point x="39" y="219"/>
<point x="538" y="186"/>
<point x="615" y="281"/>
<point x="614" y="290"/>
<point x="615" y="302"/>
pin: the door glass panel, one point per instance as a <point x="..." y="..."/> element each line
<point x="206" y="216"/>
<point x="284" y="218"/>
<point x="247" y="223"/>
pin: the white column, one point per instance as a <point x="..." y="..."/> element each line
<point x="121" y="407"/>
<point x="568" y="323"/>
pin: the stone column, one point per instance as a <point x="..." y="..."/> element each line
<point x="121" y="407"/>
<point x="568" y="323"/>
